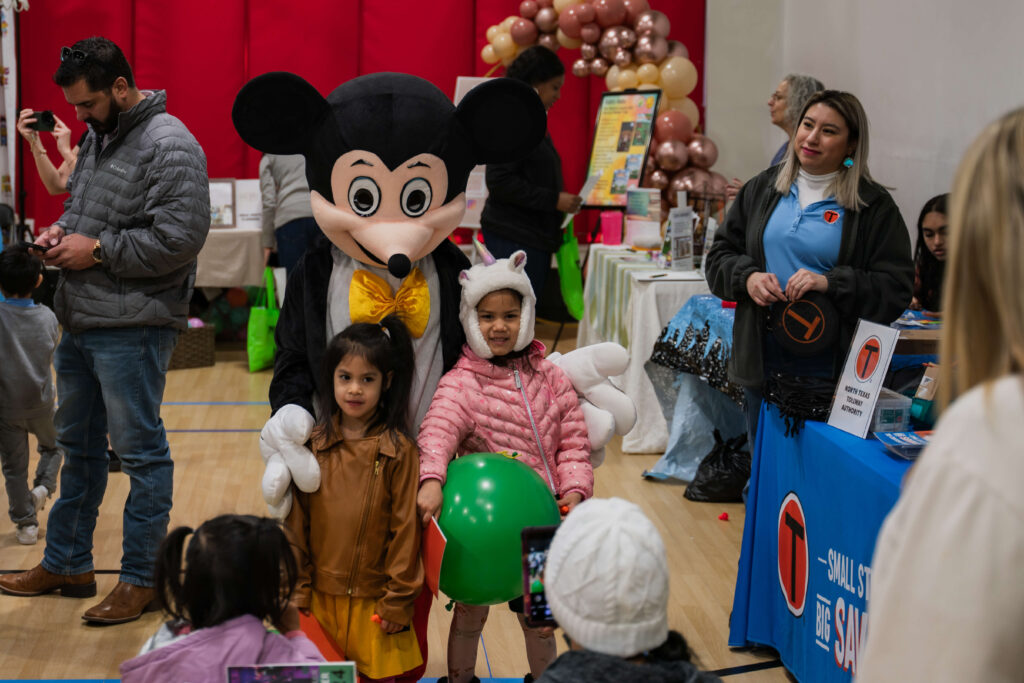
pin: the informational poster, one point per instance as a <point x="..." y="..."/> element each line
<point x="866" y="364"/>
<point x="622" y="137"/>
<point x="248" y="203"/>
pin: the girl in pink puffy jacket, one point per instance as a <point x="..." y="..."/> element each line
<point x="502" y="396"/>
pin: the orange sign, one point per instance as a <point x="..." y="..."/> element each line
<point x="867" y="358"/>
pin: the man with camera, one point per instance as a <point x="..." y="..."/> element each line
<point x="126" y="245"/>
<point x="30" y="124"/>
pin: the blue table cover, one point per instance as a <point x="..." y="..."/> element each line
<point x="804" y="591"/>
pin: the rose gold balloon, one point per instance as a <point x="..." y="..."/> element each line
<point x="658" y="179"/>
<point x="524" y="32"/>
<point x="548" y="40"/>
<point x="585" y="13"/>
<point x="652" y="21"/>
<point x="610" y="12"/>
<point x="590" y="33"/>
<point x="650" y="165"/>
<point x="671" y="155"/>
<point x="703" y="152"/>
<point x="673" y="125"/>
<point x="692" y="180"/>
<point x="546" y="20"/>
<point x="598" y="66"/>
<point x="665" y="206"/>
<point x="581" y="68"/>
<point x="528" y="9"/>
<point x="633" y="10"/>
<point x="650" y="49"/>
<point x="718" y="183"/>
<point x="588" y="51"/>
<point x="545" y="3"/>
<point x="627" y="37"/>
<point x="608" y="44"/>
<point x="569" y="24"/>
<point x="623" y="58"/>
<point x="677" y="49"/>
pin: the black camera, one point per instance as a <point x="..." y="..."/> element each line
<point x="45" y="121"/>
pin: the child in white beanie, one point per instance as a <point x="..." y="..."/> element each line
<point x="606" y="580"/>
<point x="502" y="396"/>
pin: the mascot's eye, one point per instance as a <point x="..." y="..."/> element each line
<point x="364" y="196"/>
<point x="416" y="197"/>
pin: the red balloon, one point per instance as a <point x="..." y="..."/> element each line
<point x="590" y="33"/>
<point x="703" y="152"/>
<point x="671" y="155"/>
<point x="585" y="13"/>
<point x="569" y="24"/>
<point x="633" y="10"/>
<point x="610" y="12"/>
<point x="546" y="20"/>
<point x="673" y="125"/>
<point x="524" y="32"/>
<point x="528" y="9"/>
<point x="658" y="179"/>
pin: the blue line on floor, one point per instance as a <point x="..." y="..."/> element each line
<point x="206" y="431"/>
<point x="486" y="658"/>
<point x="216" y="403"/>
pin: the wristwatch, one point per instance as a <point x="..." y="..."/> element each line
<point x="97" y="252"/>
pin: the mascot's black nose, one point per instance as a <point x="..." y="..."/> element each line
<point x="399" y="265"/>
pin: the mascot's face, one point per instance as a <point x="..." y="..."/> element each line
<point x="380" y="214"/>
<point x="388" y="155"/>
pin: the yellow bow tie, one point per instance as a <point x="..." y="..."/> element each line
<point x="370" y="299"/>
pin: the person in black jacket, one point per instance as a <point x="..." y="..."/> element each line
<point x="525" y="200"/>
<point x="815" y="223"/>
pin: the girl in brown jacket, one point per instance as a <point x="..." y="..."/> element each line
<point x="356" y="539"/>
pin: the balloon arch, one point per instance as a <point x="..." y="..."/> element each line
<point x="627" y="43"/>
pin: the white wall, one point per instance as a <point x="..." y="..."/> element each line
<point x="930" y="74"/>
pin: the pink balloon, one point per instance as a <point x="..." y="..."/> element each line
<point x="546" y="20"/>
<point x="652" y="21"/>
<point x="658" y="179"/>
<point x="528" y="9"/>
<point x="585" y="13"/>
<point x="671" y="155"/>
<point x="610" y="12"/>
<point x="633" y="10"/>
<point x="590" y="33"/>
<point x="524" y="32"/>
<point x="673" y="125"/>
<point x="599" y="66"/>
<point x="703" y="152"/>
<point x="627" y="36"/>
<point x="569" y="24"/>
<point x="677" y="49"/>
<point x="609" y="43"/>
<point x="588" y="51"/>
<point x="650" y="49"/>
<point x="692" y="180"/>
<point x="545" y="3"/>
<point x="548" y="40"/>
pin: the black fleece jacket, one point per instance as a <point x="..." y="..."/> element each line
<point x="301" y="334"/>
<point x="873" y="278"/>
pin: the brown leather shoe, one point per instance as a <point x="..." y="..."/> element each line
<point x="125" y="603"/>
<point x="37" y="581"/>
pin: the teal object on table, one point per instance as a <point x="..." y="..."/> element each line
<point x="488" y="499"/>
<point x="570" y="275"/>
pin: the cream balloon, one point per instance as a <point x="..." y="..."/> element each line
<point x="492" y="33"/>
<point x="688" y="107"/>
<point x="562" y="5"/>
<point x="686" y="72"/>
<point x="611" y="79"/>
<point x="648" y="73"/>
<point x="627" y="78"/>
<point x="489" y="55"/>
<point x="566" y="41"/>
<point x="506" y="23"/>
<point x="504" y="46"/>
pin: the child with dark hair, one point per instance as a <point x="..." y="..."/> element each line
<point x="28" y="337"/>
<point x="357" y="538"/>
<point x="238" y="573"/>
<point x="930" y="254"/>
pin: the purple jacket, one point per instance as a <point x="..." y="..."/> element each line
<point x="204" y="655"/>
<point x="479" y="408"/>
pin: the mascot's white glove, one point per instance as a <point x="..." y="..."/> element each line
<point x="283" y="447"/>
<point x="606" y="409"/>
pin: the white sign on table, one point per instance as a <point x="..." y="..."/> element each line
<point x="867" y="361"/>
<point x="248" y="203"/>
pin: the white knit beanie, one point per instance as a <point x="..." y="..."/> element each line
<point x="481" y="280"/>
<point x="606" y="578"/>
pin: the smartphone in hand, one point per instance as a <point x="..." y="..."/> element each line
<point x="37" y="247"/>
<point x="536" y="540"/>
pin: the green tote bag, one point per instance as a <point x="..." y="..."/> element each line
<point x="570" y="276"/>
<point x="259" y="338"/>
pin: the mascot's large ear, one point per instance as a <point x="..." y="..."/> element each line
<point x="278" y="113"/>
<point x="505" y="120"/>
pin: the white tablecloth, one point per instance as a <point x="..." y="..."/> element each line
<point x="629" y="300"/>
<point x="231" y="257"/>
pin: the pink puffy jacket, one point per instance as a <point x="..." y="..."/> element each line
<point x="479" y="408"/>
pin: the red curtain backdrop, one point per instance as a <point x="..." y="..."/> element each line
<point x="201" y="53"/>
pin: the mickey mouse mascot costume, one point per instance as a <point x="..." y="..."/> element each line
<point x="387" y="159"/>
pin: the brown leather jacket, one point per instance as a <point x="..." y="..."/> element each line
<point x="359" y="533"/>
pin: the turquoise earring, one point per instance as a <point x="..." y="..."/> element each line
<point x="848" y="162"/>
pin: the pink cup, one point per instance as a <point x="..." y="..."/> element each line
<point x="611" y="227"/>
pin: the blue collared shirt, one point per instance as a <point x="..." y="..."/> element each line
<point x="27" y="303"/>
<point x="797" y="238"/>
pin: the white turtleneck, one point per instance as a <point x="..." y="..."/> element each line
<point x="811" y="188"/>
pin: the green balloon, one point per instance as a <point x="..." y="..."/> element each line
<point x="488" y="500"/>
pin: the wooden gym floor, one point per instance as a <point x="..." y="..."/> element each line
<point x="213" y="416"/>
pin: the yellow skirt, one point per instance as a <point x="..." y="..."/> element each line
<point x="376" y="654"/>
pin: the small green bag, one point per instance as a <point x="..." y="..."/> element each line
<point x="259" y="339"/>
<point x="570" y="276"/>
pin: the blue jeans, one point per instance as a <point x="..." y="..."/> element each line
<point x="538" y="261"/>
<point x="111" y="380"/>
<point x="293" y="238"/>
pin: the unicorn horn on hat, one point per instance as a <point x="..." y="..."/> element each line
<point x="485" y="255"/>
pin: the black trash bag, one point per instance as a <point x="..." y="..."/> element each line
<point x="723" y="472"/>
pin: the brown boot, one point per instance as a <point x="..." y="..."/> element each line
<point x="37" y="581"/>
<point x="125" y="603"/>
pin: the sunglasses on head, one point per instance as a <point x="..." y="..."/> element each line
<point x="76" y="56"/>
